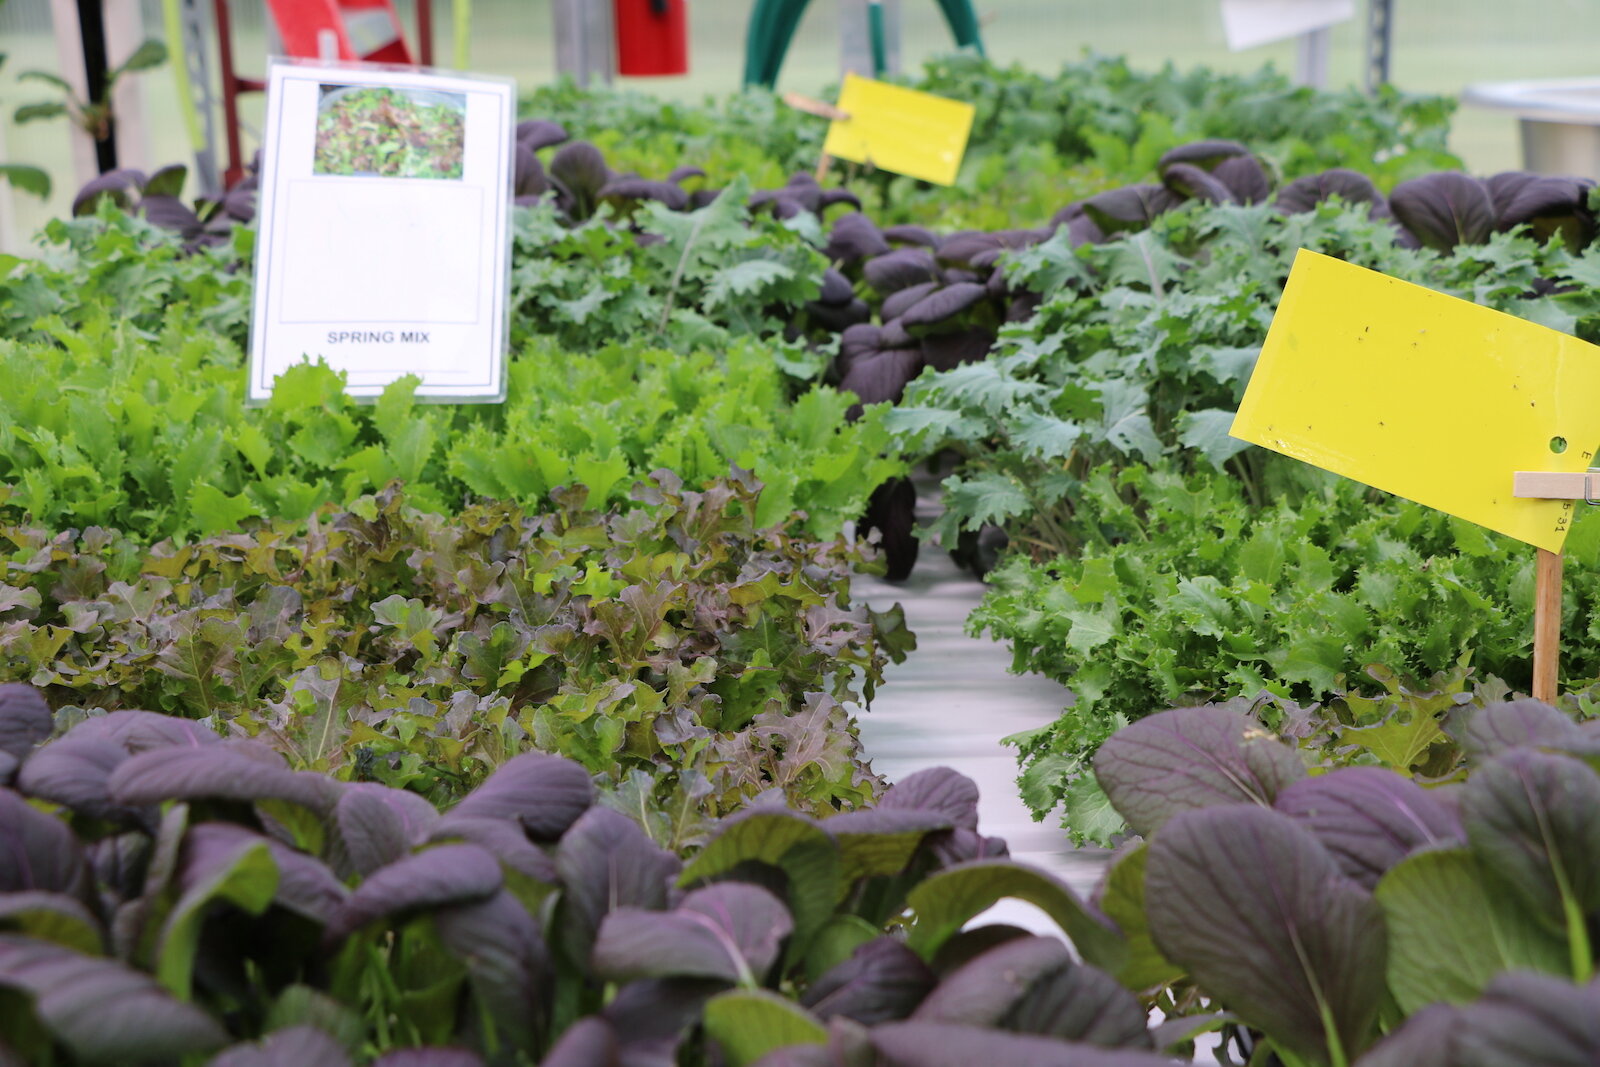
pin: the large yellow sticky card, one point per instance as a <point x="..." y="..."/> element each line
<point x="912" y="133"/>
<point x="1420" y="394"/>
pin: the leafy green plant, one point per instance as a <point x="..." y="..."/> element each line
<point x="1326" y="912"/>
<point x="1143" y="345"/>
<point x="192" y="893"/>
<point x="93" y="117"/>
<point x="673" y="643"/>
<point x="81" y="441"/>
<point x="26" y="176"/>
<point x="1188" y="595"/>
<point x="389" y="132"/>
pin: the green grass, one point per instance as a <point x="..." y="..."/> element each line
<point x="1439" y="47"/>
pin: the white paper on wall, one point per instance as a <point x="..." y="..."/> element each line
<point x="1248" y="23"/>
<point x="384" y="228"/>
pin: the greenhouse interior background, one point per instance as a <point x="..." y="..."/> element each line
<point x="1437" y="46"/>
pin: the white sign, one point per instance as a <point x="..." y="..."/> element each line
<point x="384" y="229"/>
<point x="1248" y="23"/>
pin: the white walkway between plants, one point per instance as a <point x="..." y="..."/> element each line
<point x="950" y="703"/>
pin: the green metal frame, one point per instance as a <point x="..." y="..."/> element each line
<point x="773" y="22"/>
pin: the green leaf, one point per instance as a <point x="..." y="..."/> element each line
<point x="1044" y="436"/>
<point x="151" y="53"/>
<point x="1123" y="903"/>
<point x="1207" y="433"/>
<point x="748" y="1024"/>
<point x="984" y="497"/>
<point x="35" y="112"/>
<point x="949" y="899"/>
<point x="1453" y="926"/>
<point x="244" y="876"/>
<point x="29" y="179"/>
<point x="216" y="512"/>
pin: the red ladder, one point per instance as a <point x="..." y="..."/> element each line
<point x="366" y="30"/>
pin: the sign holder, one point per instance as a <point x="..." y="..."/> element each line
<point x="1547" y="599"/>
<point x="821" y="109"/>
<point x="384" y="238"/>
<point x="1350" y="354"/>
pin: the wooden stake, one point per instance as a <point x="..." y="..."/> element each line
<point x="1547" y="626"/>
<point x="819" y="108"/>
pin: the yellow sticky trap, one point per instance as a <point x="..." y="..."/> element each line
<point x="1423" y="395"/>
<point x="916" y="134"/>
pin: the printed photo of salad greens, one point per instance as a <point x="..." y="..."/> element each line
<point x="377" y="131"/>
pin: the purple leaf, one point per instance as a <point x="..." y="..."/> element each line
<point x="99" y="1008"/>
<point x="429" y="1057"/>
<point x="1257" y="911"/>
<point x="52" y="917"/>
<point x="938" y="789"/>
<point x="1369" y="818"/>
<point x="1509" y="724"/>
<point x="505" y="840"/>
<point x="853" y="238"/>
<point x="499" y="944"/>
<point x="1032" y="985"/>
<point x="439" y="876"/>
<point x="882" y="980"/>
<point x="305" y="885"/>
<point x="218" y="773"/>
<point x="606" y="861"/>
<point x="946" y="351"/>
<point x="1244" y="177"/>
<point x="1545" y="204"/>
<point x="1444" y="210"/>
<point x="881" y="376"/>
<point x="940" y="306"/>
<point x="836" y="289"/>
<point x="729" y="931"/>
<point x="120" y="186"/>
<point x="544" y="793"/>
<point x="900" y="269"/>
<point x="170" y="213"/>
<point x="1426" y="1039"/>
<point x="73" y="772"/>
<point x="1191" y="181"/>
<point x="141" y="731"/>
<point x="24" y="720"/>
<point x="836" y="318"/>
<point x="830" y="197"/>
<point x="633" y="187"/>
<point x="1191" y="758"/>
<point x="905" y="234"/>
<point x="899" y="302"/>
<point x="379" y="825"/>
<point x="580" y="170"/>
<point x="892" y="511"/>
<point x="294" y="1046"/>
<point x="923" y="1044"/>
<point x="1534" y="819"/>
<point x="540" y="133"/>
<point x="1304" y="194"/>
<point x="589" y="1042"/>
<point x="1205" y="155"/>
<point x="38" y="851"/>
<point x="1131" y="207"/>
<point x="528" y="178"/>
<point x="1521" y="1019"/>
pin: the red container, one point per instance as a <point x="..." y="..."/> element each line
<point x="652" y="37"/>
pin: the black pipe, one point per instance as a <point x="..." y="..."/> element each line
<point x="96" y="65"/>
